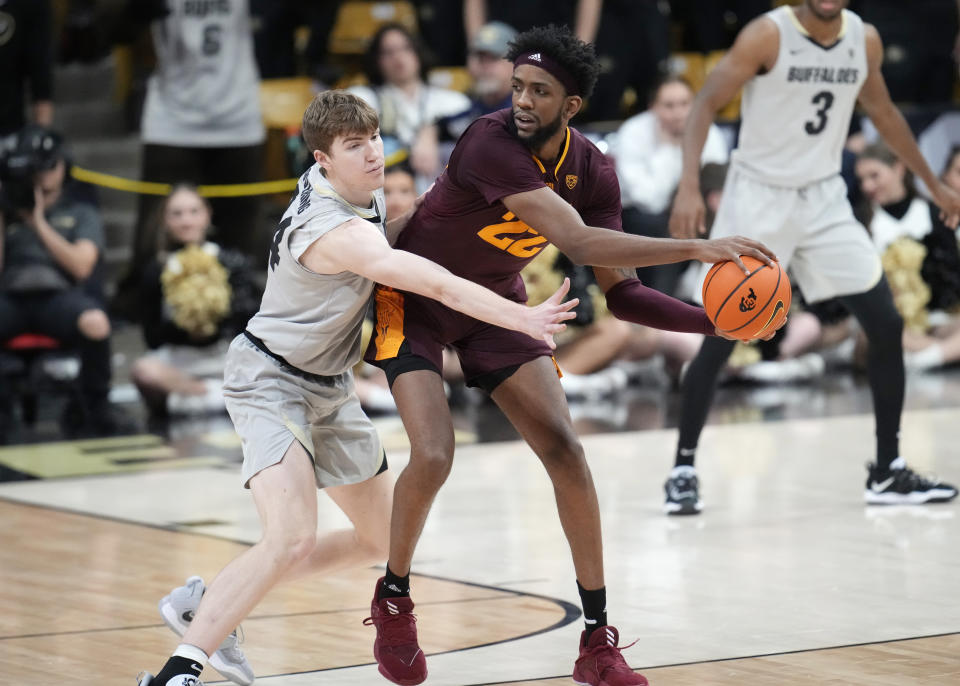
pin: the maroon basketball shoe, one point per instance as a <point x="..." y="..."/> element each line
<point x="600" y="662"/>
<point x="396" y="649"/>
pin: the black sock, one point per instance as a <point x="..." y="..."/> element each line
<point x="685" y="457"/>
<point x="394" y="586"/>
<point x="175" y="666"/>
<point x="594" y="608"/>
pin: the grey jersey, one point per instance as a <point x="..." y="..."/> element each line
<point x="205" y="89"/>
<point x="796" y="116"/>
<point x="314" y="320"/>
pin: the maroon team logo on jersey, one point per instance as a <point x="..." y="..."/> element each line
<point x="571" y="181"/>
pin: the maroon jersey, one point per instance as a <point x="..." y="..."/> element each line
<point x="463" y="223"/>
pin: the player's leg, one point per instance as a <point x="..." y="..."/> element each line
<point x="890" y="481"/>
<point x="534" y="402"/>
<point x="760" y="212"/>
<point x="367" y="504"/>
<point x="423" y="408"/>
<point x="285" y="495"/>
<point x="696" y="396"/>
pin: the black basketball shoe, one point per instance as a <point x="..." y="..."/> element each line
<point x="900" y="485"/>
<point x="683" y="492"/>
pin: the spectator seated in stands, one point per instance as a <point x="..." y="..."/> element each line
<point x="920" y="258"/>
<point x="491" y="75"/>
<point x="647" y="150"/>
<point x="408" y="107"/>
<point x="51" y="246"/>
<point x="194" y="297"/>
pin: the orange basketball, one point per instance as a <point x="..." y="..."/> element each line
<point x="746" y="305"/>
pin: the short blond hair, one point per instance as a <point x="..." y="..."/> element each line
<point x="336" y="113"/>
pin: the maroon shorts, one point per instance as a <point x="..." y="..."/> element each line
<point x="411" y="331"/>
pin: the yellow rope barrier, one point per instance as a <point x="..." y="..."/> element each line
<point x="229" y="190"/>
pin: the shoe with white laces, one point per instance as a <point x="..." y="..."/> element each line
<point x="146" y="679"/>
<point x="900" y="485"/>
<point x="601" y="662"/>
<point x="178" y="608"/>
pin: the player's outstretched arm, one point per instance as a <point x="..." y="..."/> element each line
<point x="358" y="247"/>
<point x="875" y="100"/>
<point x="754" y="51"/>
<point x="546" y="212"/>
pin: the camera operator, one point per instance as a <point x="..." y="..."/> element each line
<point x="50" y="248"/>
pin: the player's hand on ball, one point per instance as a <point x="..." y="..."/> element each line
<point x="546" y="319"/>
<point x="731" y="248"/>
<point x="686" y="218"/>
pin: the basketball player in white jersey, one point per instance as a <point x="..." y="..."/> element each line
<point x="290" y="393"/>
<point x="802" y="70"/>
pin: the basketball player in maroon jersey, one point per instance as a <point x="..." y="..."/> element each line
<point x="517" y="180"/>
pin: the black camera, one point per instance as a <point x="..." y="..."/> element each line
<point x="34" y="149"/>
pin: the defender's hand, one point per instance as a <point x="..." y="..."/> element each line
<point x="731" y="248"/>
<point x="686" y="218"/>
<point x="546" y="319"/>
<point x="767" y="335"/>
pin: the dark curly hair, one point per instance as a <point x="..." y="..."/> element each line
<point x="371" y="58"/>
<point x="577" y="57"/>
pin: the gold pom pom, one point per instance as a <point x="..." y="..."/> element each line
<point x="901" y="264"/>
<point x="196" y="290"/>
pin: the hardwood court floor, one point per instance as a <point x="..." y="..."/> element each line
<point x="784" y="568"/>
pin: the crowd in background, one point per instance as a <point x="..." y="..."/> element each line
<point x="429" y="67"/>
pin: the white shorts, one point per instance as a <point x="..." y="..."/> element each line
<point x="811" y="229"/>
<point x="271" y="406"/>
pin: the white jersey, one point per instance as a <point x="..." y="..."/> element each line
<point x="314" y="320"/>
<point x="796" y="116"/>
<point x="205" y="89"/>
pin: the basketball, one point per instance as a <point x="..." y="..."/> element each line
<point x="746" y="305"/>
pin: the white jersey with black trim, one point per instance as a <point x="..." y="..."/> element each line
<point x="205" y="90"/>
<point x="314" y="320"/>
<point x="795" y="118"/>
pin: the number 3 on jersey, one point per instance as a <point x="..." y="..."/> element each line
<point x="823" y="101"/>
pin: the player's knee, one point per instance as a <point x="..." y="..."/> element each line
<point x="434" y="462"/>
<point x="564" y="452"/>
<point x="291" y="546"/>
<point x="94" y="324"/>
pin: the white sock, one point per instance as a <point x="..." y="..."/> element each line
<point x="683" y="470"/>
<point x="191" y="653"/>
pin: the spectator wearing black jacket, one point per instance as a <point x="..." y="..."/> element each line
<point x="194" y="296"/>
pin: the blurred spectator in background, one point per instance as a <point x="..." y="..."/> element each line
<point x="399" y="189"/>
<point x="491" y="75"/>
<point x="201" y="120"/>
<point x="408" y="107"/>
<point x="633" y="44"/>
<point x="26" y="64"/>
<point x="50" y="249"/>
<point x="649" y="161"/>
<point x="194" y="297"/>
<point x="919" y="41"/>
<point x="920" y="257"/>
<point x="276" y="24"/>
<point x="951" y="169"/>
<point x="709" y="25"/>
<point x="582" y="16"/>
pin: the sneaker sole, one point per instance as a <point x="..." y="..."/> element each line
<point x="389" y="677"/>
<point x="674" y="508"/>
<point x="936" y="495"/>
<point x="179" y="627"/>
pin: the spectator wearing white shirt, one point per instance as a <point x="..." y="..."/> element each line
<point x="408" y="107"/>
<point x="648" y="152"/>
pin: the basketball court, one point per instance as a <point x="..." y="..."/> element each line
<point x="785" y="579"/>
